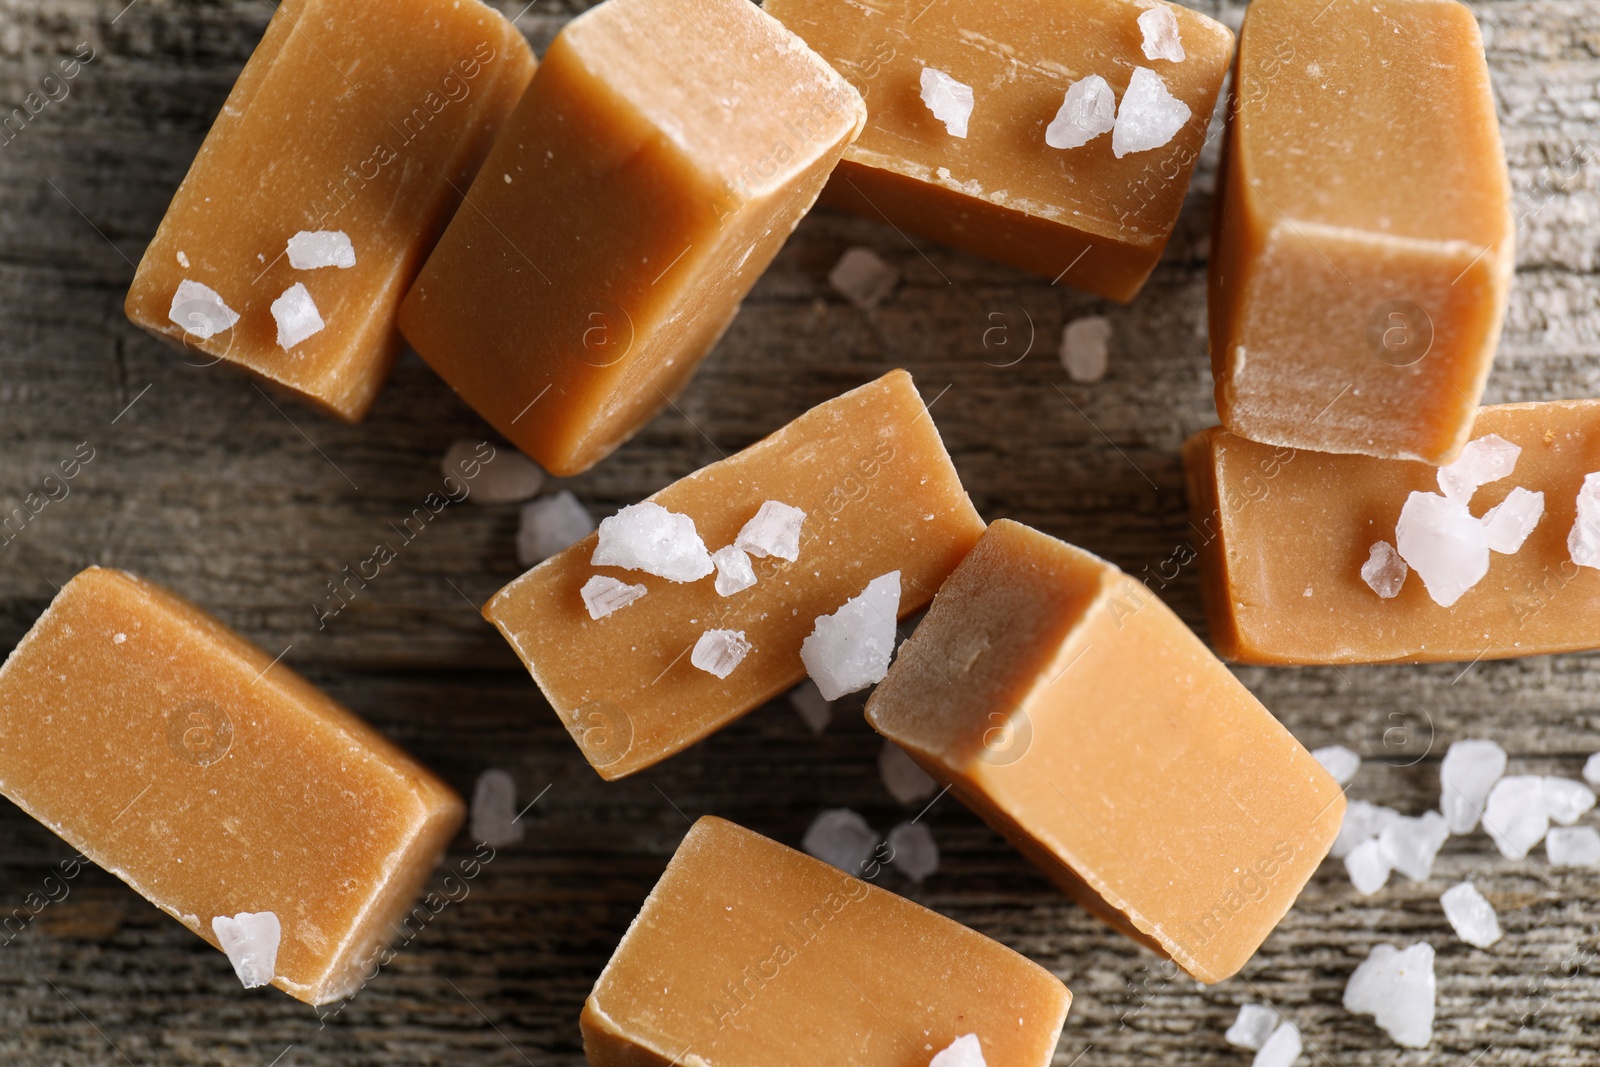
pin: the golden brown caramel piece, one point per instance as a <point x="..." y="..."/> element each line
<point x="214" y="781"/>
<point x="750" y="954"/>
<point x="661" y="157"/>
<point x="1282" y="537"/>
<point x="1078" y="215"/>
<point x="352" y="117"/>
<point x="1363" y="245"/>
<point x="1082" y="719"/>
<point x="879" y="494"/>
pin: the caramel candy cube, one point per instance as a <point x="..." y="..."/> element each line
<point x="323" y="184"/>
<point x="659" y="160"/>
<point x="750" y="954"/>
<point x="1083" y="215"/>
<point x="879" y="495"/>
<point x="1282" y="537"/>
<point x="1363" y="251"/>
<point x="1081" y="718"/>
<point x="214" y="780"/>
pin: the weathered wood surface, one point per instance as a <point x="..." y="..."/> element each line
<point x="199" y="482"/>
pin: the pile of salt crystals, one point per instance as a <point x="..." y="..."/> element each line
<point x="1521" y="808"/>
<point x="1397" y="989"/>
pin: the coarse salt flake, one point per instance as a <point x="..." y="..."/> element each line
<point x="850" y="649"/>
<point x="603" y="594"/>
<point x="647" y="537"/>
<point x="550" y="525"/>
<point x="1088" y="110"/>
<point x="964" y="1051"/>
<point x="950" y="101"/>
<point x="1149" y="117"/>
<point x="1508" y="524"/>
<point x="1471" y="916"/>
<point x="200" y="311"/>
<point x="1584" y="541"/>
<point x="1161" y="38"/>
<point x="1488" y="459"/>
<point x="862" y="277"/>
<point x="734" y="572"/>
<point x="718" y="652"/>
<point x="774" y="531"/>
<point x="1384" y="571"/>
<point x="314" y="249"/>
<point x="1085" y="345"/>
<point x="251" y="941"/>
<point x="1440" y="540"/>
<point x="296" y="315"/>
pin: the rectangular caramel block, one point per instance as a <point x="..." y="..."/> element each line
<point x="1282" y="537"/>
<point x="879" y="494"/>
<point x="182" y="759"/>
<point x="1079" y="215"/>
<point x="366" y="119"/>
<point x="1364" y="240"/>
<point x="1082" y="719"/>
<point x="662" y="155"/>
<point x="750" y="954"/>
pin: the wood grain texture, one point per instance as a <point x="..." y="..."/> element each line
<point x="250" y="504"/>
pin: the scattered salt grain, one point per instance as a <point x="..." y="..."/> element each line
<point x="1411" y="845"/>
<point x="774" y="531"/>
<point x="718" y="652"/>
<point x="1384" y="571"/>
<point x="1160" y="28"/>
<point x="1368" y="867"/>
<point x="1584" y="540"/>
<point x="1509" y="522"/>
<point x="905" y="781"/>
<point x="183" y="259"/>
<point x="494" y="809"/>
<point x="913" y="850"/>
<point x="1363" y="821"/>
<point x="964" y="1051"/>
<point x="1516" y="816"/>
<point x="1149" y="117"/>
<point x="1339" y="762"/>
<point x="841" y="837"/>
<point x="1397" y="989"/>
<point x="309" y="250"/>
<point x="1088" y="110"/>
<point x="1470" y="769"/>
<point x="1488" y="459"/>
<point x="251" y="941"/>
<point x="603" y="594"/>
<point x="1444" y="544"/>
<point x="1253" y="1026"/>
<point x="950" y="101"/>
<point x="647" y="537"/>
<point x="1575" y="846"/>
<point x="1471" y="916"/>
<point x="1084" y="346"/>
<point x="1566" y="800"/>
<point x="850" y="649"/>
<point x="550" y="525"/>
<point x="734" y="573"/>
<point x="807" y="701"/>
<point x="863" y="278"/>
<point x="296" y="315"/>
<point x="508" y="477"/>
<point x="1281" y="1049"/>
<point x="201" y="311"/>
<point x="1591" y="770"/>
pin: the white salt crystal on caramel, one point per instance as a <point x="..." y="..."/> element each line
<point x="850" y="649"/>
<point x="913" y="850"/>
<point x="1149" y="117"/>
<point x="507" y="478"/>
<point x="296" y="315"/>
<point x="1584" y="541"/>
<point x="314" y="249"/>
<point x="841" y="837"/>
<point x="807" y="701"/>
<point x="774" y="531"/>
<point x="1440" y="540"/>
<point x="1384" y="571"/>
<point x="863" y="278"/>
<point x="200" y="310"/>
<point x="494" y="809"/>
<point x="964" y="1051"/>
<point x="1368" y="867"/>
<point x="1471" y="916"/>
<point x="1252" y="1027"/>
<point x="905" y="781"/>
<point x="647" y="537"/>
<point x="1088" y="110"/>
<point x="604" y="594"/>
<point x="1410" y="845"/>
<point x="1507" y="525"/>
<point x="1161" y="39"/>
<point x="1281" y="1049"/>
<point x="1362" y="822"/>
<point x="718" y="652"/>
<point x="1488" y="459"/>
<point x="1470" y="769"/>
<point x="251" y="941"/>
<point x="1085" y="344"/>
<point x="734" y="572"/>
<point x="950" y="101"/>
<point x="1338" y="761"/>
<point x="550" y="525"/>
<point x="1574" y="846"/>
<point x="1397" y="989"/>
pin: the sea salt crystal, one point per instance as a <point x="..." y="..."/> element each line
<point x="949" y="100"/>
<point x="850" y="649"/>
<point x="863" y="278"/>
<point x="296" y="315"/>
<point x="718" y="652"/>
<point x="494" y="809"/>
<point x="309" y="250"/>
<point x="1508" y="524"/>
<point x="1584" y="540"/>
<point x="508" y="477"/>
<point x="841" y="837"/>
<point x="1384" y="571"/>
<point x="905" y="781"/>
<point x="201" y="311"/>
<point x="647" y="537"/>
<point x="913" y="850"/>
<point x="774" y="531"/>
<point x="1368" y="867"/>
<point x="734" y="573"/>
<point x="807" y="702"/>
<point x="1575" y="846"/>
<point x="603" y="594"/>
<point x="1516" y="816"/>
<point x="1488" y="459"/>
<point x="1281" y="1049"/>
<point x="1411" y="845"/>
<point x="1339" y="762"/>
<point x="1471" y="916"/>
<point x="1160" y="28"/>
<point x="1084" y="347"/>
<point x="964" y="1051"/>
<point x="1444" y="544"/>
<point x="1470" y="769"/>
<point x="549" y="525"/>
<point x="1253" y="1026"/>
<point x="1149" y="117"/>
<point x="1362" y="822"/>
<point x="1088" y="110"/>
<point x="1566" y="800"/>
<point x="1397" y="989"/>
<point x="251" y="941"/>
<point x="1591" y="770"/>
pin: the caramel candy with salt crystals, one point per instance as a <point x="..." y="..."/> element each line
<point x="214" y="781"/>
<point x="360" y="118"/>
<point x="661" y="157"/>
<point x="879" y="494"/>
<point x="1079" y="215"/>
<point x="749" y="954"/>
<point x="1282" y="536"/>
<point x="1364" y="240"/>
<point x="1081" y="719"/>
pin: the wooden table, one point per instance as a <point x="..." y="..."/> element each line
<point x="250" y="505"/>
